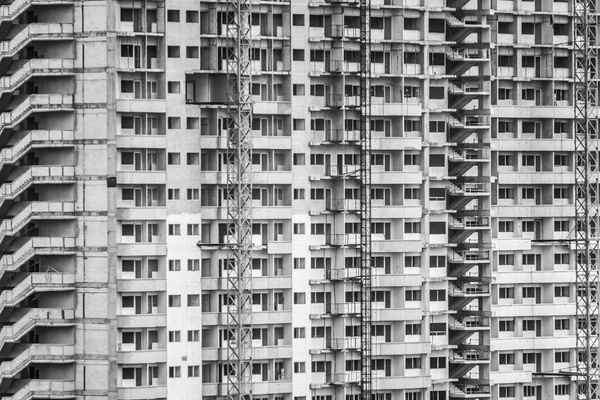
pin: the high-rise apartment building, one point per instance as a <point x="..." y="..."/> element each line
<point x="114" y="189"/>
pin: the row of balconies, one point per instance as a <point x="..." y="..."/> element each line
<point x="33" y="360"/>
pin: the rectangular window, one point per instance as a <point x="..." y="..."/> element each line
<point x="193" y="158"/>
<point x="299" y="333"/>
<point x="506" y="325"/>
<point x="299" y="298"/>
<point x="172" y="16"/>
<point x="412" y="295"/>
<point x="412" y="227"/>
<point x="298" y="20"/>
<point x="174" y="300"/>
<point x="191" y="16"/>
<point x="299" y="229"/>
<point x="562" y="357"/>
<point x="193" y="371"/>
<point x="506" y="226"/>
<point x="173" y="52"/>
<point x="561" y="291"/>
<point x="173" y="123"/>
<point x="506" y="358"/>
<point x="192" y="123"/>
<point x="192" y="52"/>
<point x="174" y="230"/>
<point x="174" y="265"/>
<point x="172" y="194"/>
<point x="506" y="391"/>
<point x="413" y="362"/>
<point x="437" y="362"/>
<point x="437" y="295"/>
<point x="412" y="329"/>
<point x="298" y="54"/>
<point x="173" y="158"/>
<point x="561" y="324"/>
<point x="298" y="158"/>
<point x="562" y="390"/>
<point x="193" y="336"/>
<point x="193" y="300"/>
<point x="173" y="87"/>
<point x="299" y="367"/>
<point x="174" y="336"/>
<point x="193" y="194"/>
<point x="193" y="265"/>
<point x="193" y="229"/>
<point x="299" y="263"/>
<point x="506" y="292"/>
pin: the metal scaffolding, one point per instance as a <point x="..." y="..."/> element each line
<point x="586" y="198"/>
<point x="365" y="196"/>
<point x="239" y="202"/>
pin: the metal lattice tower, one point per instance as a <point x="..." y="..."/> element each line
<point x="365" y="196"/>
<point x="239" y="202"/>
<point x="586" y="201"/>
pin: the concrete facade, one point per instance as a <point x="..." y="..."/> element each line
<point x="113" y="168"/>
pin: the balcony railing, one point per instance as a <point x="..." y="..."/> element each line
<point x="31" y="32"/>
<point x="43" y="389"/>
<point x="38" y="352"/>
<point x="35" y="316"/>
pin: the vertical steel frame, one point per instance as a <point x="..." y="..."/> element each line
<point x="239" y="202"/>
<point x="365" y="197"/>
<point x="586" y="196"/>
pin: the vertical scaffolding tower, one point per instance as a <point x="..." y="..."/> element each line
<point x="586" y="197"/>
<point x="239" y="202"/>
<point x="365" y="196"/>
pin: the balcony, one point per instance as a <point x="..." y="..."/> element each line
<point x="32" y="211"/>
<point x="142" y="392"/>
<point x="470" y="391"/>
<point x="343" y="308"/>
<point x="469" y="257"/>
<point x="142" y="356"/>
<point x="342" y="171"/>
<point x="32" y="139"/>
<point x="39" y="388"/>
<point x="36" y="67"/>
<point x="470" y="357"/>
<point x="343" y="378"/>
<point x="342" y="274"/>
<point x="36" y="282"/>
<point x="37" y="174"/>
<point x="343" y="205"/>
<point x="142" y="321"/>
<point x="343" y="239"/>
<point x="35" y="317"/>
<point x="33" y="32"/>
<point x="39" y="353"/>
<point x="469" y="323"/>
<point x="258" y="317"/>
<point x="469" y="290"/>
<point x="35" y="103"/>
<point x="334" y="136"/>
<point x="35" y="246"/>
<point x="259" y="352"/>
<point x="16" y="8"/>
<point x="469" y="189"/>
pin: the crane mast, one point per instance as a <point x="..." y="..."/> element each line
<point x="365" y="197"/>
<point x="239" y="202"/>
<point x="586" y="196"/>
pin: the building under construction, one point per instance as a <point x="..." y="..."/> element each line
<point x="307" y="200"/>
